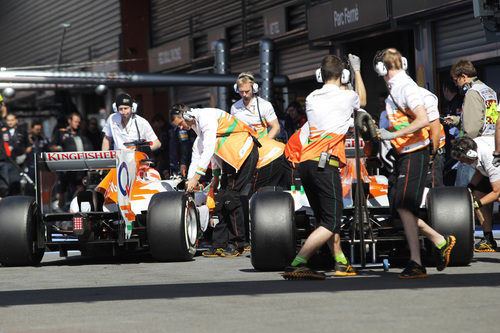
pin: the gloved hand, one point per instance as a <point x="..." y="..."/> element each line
<point x="354" y="62"/>
<point x="496" y="160"/>
<point x="20" y="159"/>
<point x="385" y="134"/>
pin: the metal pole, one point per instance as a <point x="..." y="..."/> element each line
<point x="60" y="56"/>
<point x="222" y="66"/>
<point x="127" y="80"/>
<point x="267" y="68"/>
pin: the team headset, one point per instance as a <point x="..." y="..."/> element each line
<point x="467" y="86"/>
<point x="187" y="115"/>
<point x="134" y="105"/>
<point x="255" y="86"/>
<point x="469" y="153"/>
<point x="345" y="77"/>
<point x="379" y="66"/>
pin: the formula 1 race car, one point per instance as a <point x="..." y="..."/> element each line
<point x="130" y="209"/>
<point x="281" y="220"/>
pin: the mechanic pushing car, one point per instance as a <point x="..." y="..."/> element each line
<point x="329" y="112"/>
<point x="226" y="143"/>
<point x="407" y="122"/>
<point x="124" y="125"/>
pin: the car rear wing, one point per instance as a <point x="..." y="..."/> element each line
<point x="78" y="160"/>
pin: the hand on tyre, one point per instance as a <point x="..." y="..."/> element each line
<point x="385" y="134"/>
<point x="191" y="185"/>
<point x="354" y="62"/>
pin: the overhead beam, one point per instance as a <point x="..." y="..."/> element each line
<point x="126" y="79"/>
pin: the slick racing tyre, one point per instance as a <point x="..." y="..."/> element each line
<point x="19" y="232"/>
<point x="172" y="226"/>
<point x="450" y="212"/>
<point x="272" y="222"/>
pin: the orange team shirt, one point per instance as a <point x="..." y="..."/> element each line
<point x="329" y="111"/>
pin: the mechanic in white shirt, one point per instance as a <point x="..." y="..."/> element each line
<point x="124" y="125"/>
<point x="407" y="132"/>
<point x="485" y="183"/>
<point x="329" y="111"/>
<point x="229" y="147"/>
<point x="254" y="111"/>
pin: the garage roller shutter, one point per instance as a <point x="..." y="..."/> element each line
<point x="462" y="36"/>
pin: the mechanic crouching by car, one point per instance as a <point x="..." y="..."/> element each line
<point x="124" y="125"/>
<point x="228" y="144"/>
<point x="329" y="111"/>
<point x="485" y="183"/>
<point x="407" y="132"/>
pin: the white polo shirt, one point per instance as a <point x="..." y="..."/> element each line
<point x="329" y="112"/>
<point x="114" y="129"/>
<point x="485" y="148"/>
<point x="430" y="104"/>
<point x="250" y="114"/>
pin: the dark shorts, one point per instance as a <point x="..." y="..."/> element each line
<point x="324" y="192"/>
<point x="407" y="184"/>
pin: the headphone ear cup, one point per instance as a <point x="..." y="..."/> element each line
<point x="134" y="107"/>
<point x="346" y="76"/>
<point x="472" y="154"/>
<point x="319" y="77"/>
<point x="187" y="115"/>
<point x="255" y="88"/>
<point x="465" y="87"/>
<point x="115" y="109"/>
<point x="236" y="90"/>
<point x="404" y="63"/>
<point x="380" y="69"/>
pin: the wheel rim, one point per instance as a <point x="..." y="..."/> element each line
<point x="191" y="226"/>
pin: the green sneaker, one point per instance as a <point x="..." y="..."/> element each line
<point x="344" y="269"/>
<point x="485" y="245"/>
<point x="213" y="252"/>
<point x="231" y="251"/>
<point x="302" y="272"/>
<point x="413" y="271"/>
<point x="443" y="254"/>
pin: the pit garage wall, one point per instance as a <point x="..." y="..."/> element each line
<point x="242" y="24"/>
<point x="94" y="33"/>
<point x="461" y="36"/>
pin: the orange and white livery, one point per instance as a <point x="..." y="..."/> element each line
<point x="407" y="96"/>
<point x="328" y="122"/>
<point x="221" y="134"/>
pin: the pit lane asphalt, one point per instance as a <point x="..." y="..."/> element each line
<point x="226" y="294"/>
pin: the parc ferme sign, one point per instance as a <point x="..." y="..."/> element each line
<point x="341" y="16"/>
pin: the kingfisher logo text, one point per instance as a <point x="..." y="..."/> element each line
<point x="78" y="156"/>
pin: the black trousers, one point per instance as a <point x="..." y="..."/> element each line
<point x="231" y="227"/>
<point x="324" y="192"/>
<point x="269" y="175"/>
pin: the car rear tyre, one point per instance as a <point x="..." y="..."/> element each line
<point x="272" y="221"/>
<point x="19" y="231"/>
<point x="450" y="212"/>
<point x="172" y="227"/>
